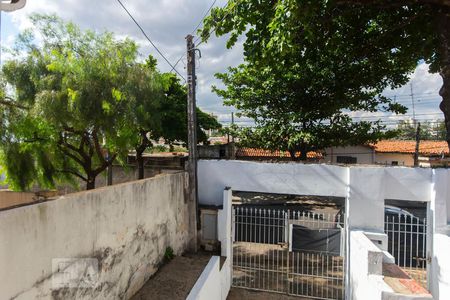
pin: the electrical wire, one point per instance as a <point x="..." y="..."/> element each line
<point x="196" y="27"/>
<point x="148" y="38"/>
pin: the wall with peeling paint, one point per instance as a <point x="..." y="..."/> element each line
<point x="126" y="227"/>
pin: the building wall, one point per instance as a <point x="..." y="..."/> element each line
<point x="363" y="154"/>
<point x="283" y="178"/>
<point x="365" y="189"/>
<point x="126" y="228"/>
<point x="403" y="159"/>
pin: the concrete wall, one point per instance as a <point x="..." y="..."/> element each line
<point x="283" y="178"/>
<point x="209" y="284"/>
<point x="403" y="159"/>
<point x="215" y="280"/>
<point x="366" y="264"/>
<point x="363" y="154"/>
<point x="440" y="275"/>
<point x="126" y="228"/>
<point x="365" y="188"/>
<point x="10" y="198"/>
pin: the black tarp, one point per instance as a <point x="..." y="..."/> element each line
<point x="317" y="240"/>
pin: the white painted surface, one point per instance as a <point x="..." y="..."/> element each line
<point x="366" y="280"/>
<point x="283" y="178"/>
<point x="440" y="275"/>
<point x="364" y="187"/>
<point x="127" y="227"/>
<point x="213" y="283"/>
<point x="224" y="223"/>
<point x="208" y="285"/>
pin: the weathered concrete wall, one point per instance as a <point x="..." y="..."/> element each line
<point x="126" y="227"/>
<point x="10" y="198"/>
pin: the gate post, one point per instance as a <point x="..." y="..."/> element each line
<point x="287" y="241"/>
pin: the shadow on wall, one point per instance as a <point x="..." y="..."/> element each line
<point x="125" y="229"/>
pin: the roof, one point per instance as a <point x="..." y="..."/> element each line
<point x="254" y="152"/>
<point x="426" y="148"/>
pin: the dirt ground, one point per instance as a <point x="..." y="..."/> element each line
<point x="243" y="294"/>
<point x="175" y="279"/>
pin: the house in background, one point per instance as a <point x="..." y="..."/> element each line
<point x="392" y="153"/>
<point x="267" y="155"/>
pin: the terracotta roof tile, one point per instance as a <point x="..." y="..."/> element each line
<point x="255" y="152"/>
<point x="426" y="148"/>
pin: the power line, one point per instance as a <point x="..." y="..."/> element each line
<point x="148" y="38"/>
<point x="204" y="16"/>
<point x="193" y="31"/>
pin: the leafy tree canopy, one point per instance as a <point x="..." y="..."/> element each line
<point x="82" y="100"/>
<point x="428" y="130"/>
<point x="309" y="63"/>
<point x="71" y="91"/>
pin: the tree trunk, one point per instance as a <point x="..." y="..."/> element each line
<point x="90" y="183"/>
<point x="303" y="154"/>
<point x="140" y="163"/>
<point x="292" y="154"/>
<point x="444" y="39"/>
<point x="145" y="142"/>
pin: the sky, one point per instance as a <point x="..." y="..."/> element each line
<point x="167" y="22"/>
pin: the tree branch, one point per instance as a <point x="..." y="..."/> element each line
<point x="97" y="147"/>
<point x="73" y="173"/>
<point x="11" y="103"/>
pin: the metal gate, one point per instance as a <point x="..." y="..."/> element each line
<point x="291" y="252"/>
<point x="407" y="242"/>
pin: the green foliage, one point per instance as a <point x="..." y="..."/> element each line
<point x="71" y="93"/>
<point x="169" y="254"/>
<point x="428" y="131"/>
<point x="174" y="114"/>
<point x="80" y="101"/>
<point x="310" y="63"/>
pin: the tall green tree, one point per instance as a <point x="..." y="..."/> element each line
<point x="423" y="31"/>
<point x="141" y="121"/>
<point x="384" y="33"/>
<point x="69" y="93"/>
<point x="306" y="67"/>
<point x="174" y="114"/>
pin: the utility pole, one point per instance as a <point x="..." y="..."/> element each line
<point x="192" y="135"/>
<point x="413" y="104"/>
<point x="416" y="152"/>
<point x="232" y="123"/>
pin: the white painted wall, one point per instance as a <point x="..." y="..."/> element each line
<point x="364" y="187"/>
<point x="215" y="282"/>
<point x="366" y="280"/>
<point x="126" y="227"/>
<point x="283" y="178"/>
<point x="208" y="285"/>
<point x="440" y="275"/>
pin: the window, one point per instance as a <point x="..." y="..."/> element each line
<point x="346" y="160"/>
<point x="394" y="163"/>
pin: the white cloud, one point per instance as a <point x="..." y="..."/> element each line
<point x="167" y="22"/>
